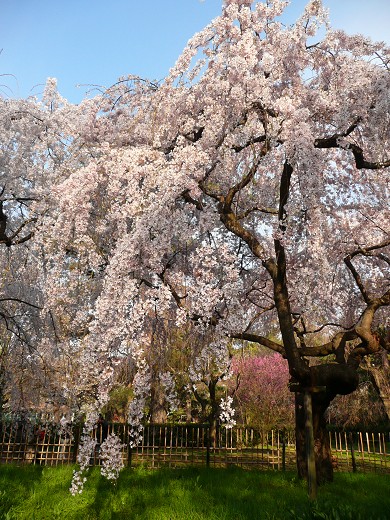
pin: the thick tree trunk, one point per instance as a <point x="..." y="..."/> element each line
<point x="188" y="409"/>
<point x="158" y="414"/>
<point x="322" y="453"/>
<point x="213" y="433"/>
<point x="327" y="380"/>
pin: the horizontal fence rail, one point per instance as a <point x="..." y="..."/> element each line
<point x="188" y="444"/>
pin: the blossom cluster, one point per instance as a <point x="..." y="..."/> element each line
<point x="141" y="388"/>
<point x="227" y="412"/>
<point x="111" y="456"/>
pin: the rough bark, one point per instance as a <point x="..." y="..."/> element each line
<point x="158" y="414"/>
<point x="327" y="381"/>
<point x="323" y="459"/>
<point x="188" y="409"/>
<point x="211" y="405"/>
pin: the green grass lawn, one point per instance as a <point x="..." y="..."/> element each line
<point x="33" y="493"/>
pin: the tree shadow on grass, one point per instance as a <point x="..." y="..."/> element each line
<point x="194" y="494"/>
<point x="190" y="493"/>
<point x="16" y="485"/>
<point x="205" y="494"/>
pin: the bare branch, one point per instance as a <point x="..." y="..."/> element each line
<point x="246" y="179"/>
<point x="269" y="211"/>
<point x="187" y="197"/>
<point x="284" y="193"/>
<point x="335" y="346"/>
<point x="366" y="250"/>
<point x="257" y="315"/>
<point x="18" y="300"/>
<point x="261" y="340"/>
<point x="250" y="142"/>
<point x="357" y="278"/>
<point x="360" y="161"/>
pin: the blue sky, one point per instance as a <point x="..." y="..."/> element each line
<point x="90" y="42"/>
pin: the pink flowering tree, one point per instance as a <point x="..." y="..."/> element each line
<point x="250" y="186"/>
<point x="261" y="394"/>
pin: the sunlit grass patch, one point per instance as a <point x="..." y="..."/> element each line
<point x="36" y="493"/>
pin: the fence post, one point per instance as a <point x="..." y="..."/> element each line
<point x="354" y="467"/>
<point x="207" y="447"/>
<point x="284" y="449"/>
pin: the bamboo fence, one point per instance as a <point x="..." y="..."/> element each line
<point x="188" y="444"/>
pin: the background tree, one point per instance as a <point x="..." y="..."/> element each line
<point x="24" y="139"/>
<point x="36" y="140"/>
<point x="364" y="409"/>
<point x="379" y="369"/>
<point x="261" y="394"/>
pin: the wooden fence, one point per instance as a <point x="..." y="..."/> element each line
<point x="187" y="444"/>
<point x="361" y="451"/>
